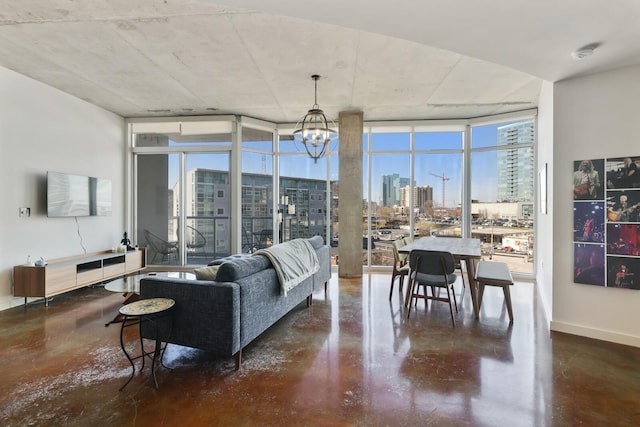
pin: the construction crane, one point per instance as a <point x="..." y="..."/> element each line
<point x="444" y="179"/>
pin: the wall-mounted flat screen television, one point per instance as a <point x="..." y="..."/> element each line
<point x="76" y="195"/>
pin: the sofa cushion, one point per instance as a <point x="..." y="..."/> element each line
<point x="236" y="268"/>
<point x="219" y="261"/>
<point x="316" y="241"/>
<point x="207" y="273"/>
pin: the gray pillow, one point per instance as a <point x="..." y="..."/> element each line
<point x="207" y="273"/>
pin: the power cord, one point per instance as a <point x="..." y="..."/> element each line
<point x="79" y="235"/>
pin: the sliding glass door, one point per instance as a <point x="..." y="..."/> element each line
<point x="183" y="192"/>
<point x="207" y="206"/>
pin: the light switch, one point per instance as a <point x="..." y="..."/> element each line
<point x="25" y="212"/>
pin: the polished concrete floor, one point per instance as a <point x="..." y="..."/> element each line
<point x="350" y="359"/>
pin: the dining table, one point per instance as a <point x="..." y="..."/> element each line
<point x="464" y="249"/>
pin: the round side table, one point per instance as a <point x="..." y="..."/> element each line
<point x="152" y="311"/>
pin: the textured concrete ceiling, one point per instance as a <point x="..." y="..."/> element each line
<point x="396" y="60"/>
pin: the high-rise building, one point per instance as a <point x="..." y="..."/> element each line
<point x="515" y="164"/>
<point x="208" y="204"/>
<point x="390" y="186"/>
<point x="421" y="196"/>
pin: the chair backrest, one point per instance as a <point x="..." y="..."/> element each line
<point x="397" y="256"/>
<point x="195" y="239"/>
<point x="158" y="244"/>
<point x="152" y="240"/>
<point x="432" y="262"/>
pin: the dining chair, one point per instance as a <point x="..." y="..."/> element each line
<point x="400" y="266"/>
<point x="457" y="260"/>
<point x="431" y="269"/>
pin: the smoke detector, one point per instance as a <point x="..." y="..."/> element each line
<point x="584" y="51"/>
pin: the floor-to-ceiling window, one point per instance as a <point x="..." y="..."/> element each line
<point x="471" y="178"/>
<point x="415" y="183"/>
<point x="437" y="192"/>
<point x="388" y="160"/>
<point x="414" y="186"/>
<point x="307" y="203"/>
<point x="503" y="191"/>
<point x="257" y="189"/>
<point x="183" y="191"/>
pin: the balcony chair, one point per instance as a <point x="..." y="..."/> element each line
<point x="433" y="269"/>
<point x="400" y="265"/>
<point x="248" y="245"/>
<point x="162" y="247"/>
<point x="196" y="240"/>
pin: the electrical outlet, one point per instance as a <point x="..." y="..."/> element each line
<point x="25" y="212"/>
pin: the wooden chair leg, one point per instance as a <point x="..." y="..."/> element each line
<point x="455" y="302"/>
<point x="393" y="280"/>
<point x="453" y="320"/>
<point x="480" y="294"/>
<point x="409" y="297"/>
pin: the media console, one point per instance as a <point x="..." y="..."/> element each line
<point x="70" y="273"/>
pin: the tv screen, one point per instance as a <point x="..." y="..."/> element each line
<point x="76" y="195"/>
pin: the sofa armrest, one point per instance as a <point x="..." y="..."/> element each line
<point x="206" y="314"/>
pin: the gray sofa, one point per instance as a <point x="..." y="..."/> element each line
<point x="225" y="315"/>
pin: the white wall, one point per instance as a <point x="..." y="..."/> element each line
<point x="544" y="222"/>
<point x="594" y="117"/>
<point x="44" y="129"/>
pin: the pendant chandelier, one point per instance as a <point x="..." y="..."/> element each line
<point x="314" y="131"/>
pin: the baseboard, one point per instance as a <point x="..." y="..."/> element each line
<point x="542" y="300"/>
<point x="599" y="334"/>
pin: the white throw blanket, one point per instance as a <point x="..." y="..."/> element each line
<point x="294" y="261"/>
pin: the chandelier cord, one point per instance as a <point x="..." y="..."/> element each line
<point x="315" y="78"/>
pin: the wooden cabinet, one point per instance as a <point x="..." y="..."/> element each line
<point x="66" y="274"/>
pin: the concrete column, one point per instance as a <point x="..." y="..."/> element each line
<point x="350" y="196"/>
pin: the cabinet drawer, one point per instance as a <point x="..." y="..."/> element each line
<point x="59" y="278"/>
<point x="89" y="276"/>
<point x="134" y="260"/>
<point x="114" y="270"/>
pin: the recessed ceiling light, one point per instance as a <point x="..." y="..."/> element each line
<point x="584" y="51"/>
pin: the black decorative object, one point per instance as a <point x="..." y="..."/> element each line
<point x="126" y="242"/>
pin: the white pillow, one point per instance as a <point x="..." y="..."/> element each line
<point x="207" y="273"/>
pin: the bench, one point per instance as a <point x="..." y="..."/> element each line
<point x="493" y="273"/>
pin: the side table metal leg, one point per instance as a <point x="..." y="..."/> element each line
<point x="156" y="350"/>
<point x="143" y="353"/>
<point x="124" y="350"/>
<point x="166" y="343"/>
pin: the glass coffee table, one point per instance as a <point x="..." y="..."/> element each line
<point x="129" y="286"/>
